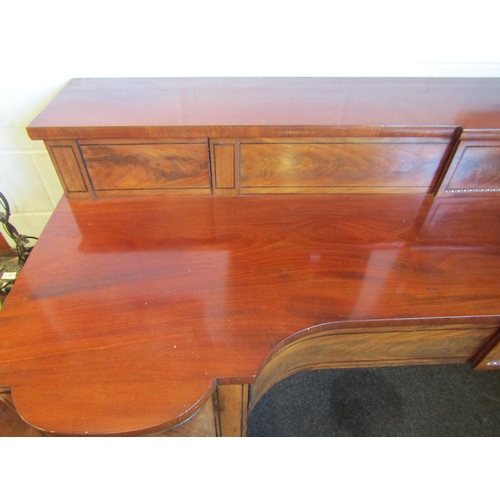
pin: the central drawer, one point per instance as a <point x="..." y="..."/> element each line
<point x="121" y="168"/>
<point x="345" y="165"/>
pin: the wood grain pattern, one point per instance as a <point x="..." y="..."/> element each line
<point x="488" y="358"/>
<point x="368" y="166"/>
<point x="147" y="166"/>
<point x="232" y="407"/>
<point x="480" y="135"/>
<point x="132" y="315"/>
<point x="257" y="107"/>
<point x="11" y="424"/>
<point x="201" y="424"/>
<point x="130" y="330"/>
<point x="224" y="165"/>
<point x="70" y="168"/>
<point x="225" y="162"/>
<point x="475" y="169"/>
<point x="366" y="346"/>
<point x="442" y="226"/>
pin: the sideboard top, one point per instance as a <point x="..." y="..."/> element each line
<point x="197" y="106"/>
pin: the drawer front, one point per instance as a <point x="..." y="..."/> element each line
<point x="362" y="166"/>
<point x="143" y="167"/>
<point x="475" y="169"/>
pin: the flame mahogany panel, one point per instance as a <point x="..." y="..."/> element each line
<point x="136" y="315"/>
<point x="113" y="167"/>
<point x="363" y="166"/>
<point x="225" y="111"/>
<point x="475" y="169"/>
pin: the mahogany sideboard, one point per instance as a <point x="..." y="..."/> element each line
<point x="219" y="234"/>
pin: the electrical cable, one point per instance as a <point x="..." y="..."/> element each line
<point x="21" y="240"/>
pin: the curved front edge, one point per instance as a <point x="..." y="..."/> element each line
<point x="84" y="413"/>
<point x="223" y="415"/>
<point x="353" y="344"/>
<point x="11" y="424"/>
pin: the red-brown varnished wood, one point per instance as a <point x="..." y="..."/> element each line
<point x="225" y="166"/>
<point x="11" y="424"/>
<point x="114" y="137"/>
<point x="475" y="169"/>
<point x="201" y="424"/>
<point x="369" y="345"/>
<point x="489" y="356"/>
<point x="113" y="167"/>
<point x="70" y="167"/>
<point x="135" y="315"/>
<point x="130" y="311"/>
<point x="369" y="166"/>
<point x="232" y="410"/>
<point x="263" y="107"/>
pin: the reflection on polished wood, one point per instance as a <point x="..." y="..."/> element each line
<point x="475" y="168"/>
<point x="371" y="166"/>
<point x="119" y="108"/>
<point x="160" y="166"/>
<point x="201" y="424"/>
<point x="158" y="297"/>
<point x="172" y="315"/>
<point x="367" y="344"/>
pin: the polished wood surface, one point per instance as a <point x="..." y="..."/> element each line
<point x="67" y="162"/>
<point x="225" y="159"/>
<point x="70" y="168"/>
<point x="232" y="406"/>
<point x="147" y="166"/>
<point x="330" y="135"/>
<point x="258" y="107"/>
<point x="475" y="169"/>
<point x="371" y="345"/>
<point x="316" y="223"/>
<point x="368" y="166"/>
<point x="202" y="424"/>
<point x="11" y="424"/>
<point x="129" y="330"/>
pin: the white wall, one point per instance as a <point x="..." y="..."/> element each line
<point x="43" y="44"/>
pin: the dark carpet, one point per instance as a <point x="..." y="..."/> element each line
<point x="440" y="400"/>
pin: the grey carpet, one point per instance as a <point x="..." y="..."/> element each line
<point x="441" y="400"/>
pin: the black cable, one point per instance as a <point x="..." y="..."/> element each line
<point x="5" y="204"/>
<point x="20" y="240"/>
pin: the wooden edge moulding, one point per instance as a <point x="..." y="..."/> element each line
<point x="238" y="140"/>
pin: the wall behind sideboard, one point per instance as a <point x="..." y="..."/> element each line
<point x="44" y="44"/>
